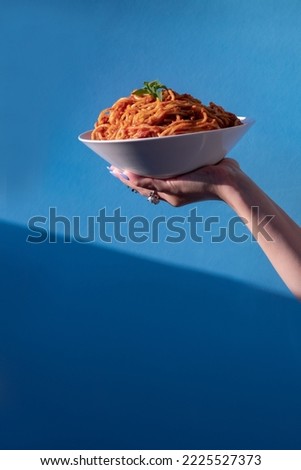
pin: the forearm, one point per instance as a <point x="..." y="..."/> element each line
<point x="276" y="233"/>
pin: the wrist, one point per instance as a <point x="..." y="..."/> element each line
<point x="230" y="183"/>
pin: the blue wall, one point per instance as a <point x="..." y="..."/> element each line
<point x="93" y="352"/>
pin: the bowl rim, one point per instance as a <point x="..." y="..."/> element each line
<point x="246" y="121"/>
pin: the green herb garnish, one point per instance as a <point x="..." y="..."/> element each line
<point x="154" y="88"/>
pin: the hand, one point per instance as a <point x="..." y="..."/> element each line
<point x="206" y="183"/>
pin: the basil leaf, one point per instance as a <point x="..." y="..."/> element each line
<point x="153" y="88"/>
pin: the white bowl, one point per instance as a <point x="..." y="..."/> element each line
<point x="164" y="157"/>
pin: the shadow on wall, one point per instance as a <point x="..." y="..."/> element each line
<point x="101" y="350"/>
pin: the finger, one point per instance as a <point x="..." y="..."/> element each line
<point x="123" y="178"/>
<point x="141" y="181"/>
<point x="142" y="191"/>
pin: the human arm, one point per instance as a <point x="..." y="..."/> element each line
<point x="276" y="233"/>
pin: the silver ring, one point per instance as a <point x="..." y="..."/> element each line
<point x="153" y="198"/>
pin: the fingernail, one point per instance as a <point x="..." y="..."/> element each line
<point x="124" y="176"/>
<point x="116" y="172"/>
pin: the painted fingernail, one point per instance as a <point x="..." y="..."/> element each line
<point x="124" y="176"/>
<point x="116" y="172"/>
<point x="113" y="173"/>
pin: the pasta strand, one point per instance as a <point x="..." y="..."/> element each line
<point x="145" y="116"/>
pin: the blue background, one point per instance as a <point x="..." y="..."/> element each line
<point x="151" y="345"/>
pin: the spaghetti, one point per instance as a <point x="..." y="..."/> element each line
<point x="170" y="113"/>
